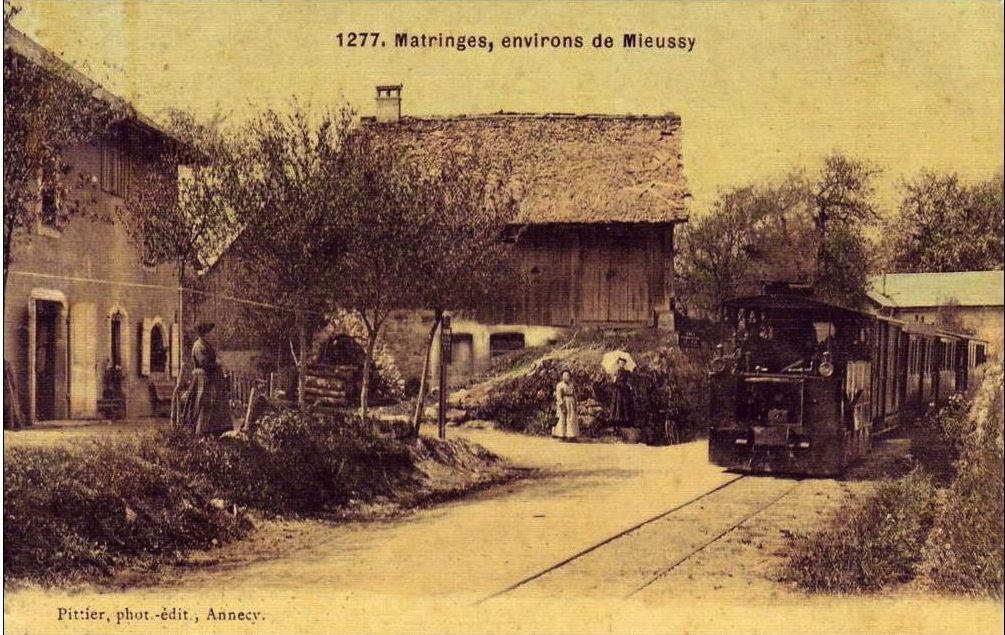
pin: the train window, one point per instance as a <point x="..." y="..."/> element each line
<point x="824" y="331"/>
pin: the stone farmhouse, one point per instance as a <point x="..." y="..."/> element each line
<point x="89" y="327"/>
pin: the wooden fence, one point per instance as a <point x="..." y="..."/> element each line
<point x="240" y="385"/>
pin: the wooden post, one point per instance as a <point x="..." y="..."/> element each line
<point x="249" y="411"/>
<point x="446" y="351"/>
<point x="441" y="411"/>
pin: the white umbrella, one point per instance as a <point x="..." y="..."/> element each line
<point x="610" y="361"/>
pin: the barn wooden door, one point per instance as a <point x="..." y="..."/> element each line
<point x="83" y="361"/>
<point x="615" y="281"/>
<point x="547" y="297"/>
<point x="594" y="298"/>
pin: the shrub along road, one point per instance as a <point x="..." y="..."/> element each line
<point x="424" y="572"/>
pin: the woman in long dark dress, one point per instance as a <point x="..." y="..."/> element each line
<point x="207" y="402"/>
<point x="623" y="407"/>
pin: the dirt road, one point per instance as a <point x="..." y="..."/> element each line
<point x="433" y="570"/>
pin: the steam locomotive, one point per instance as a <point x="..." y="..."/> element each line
<point x="801" y="386"/>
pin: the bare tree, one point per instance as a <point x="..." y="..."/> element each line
<point x="382" y="225"/>
<point x="464" y="253"/>
<point x="278" y="186"/>
<point x="178" y="216"/>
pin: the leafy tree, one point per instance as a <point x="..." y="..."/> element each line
<point x="753" y="233"/>
<point x="47" y="109"/>
<point x="944" y="224"/>
<point x="841" y="207"/>
<point x="797" y="228"/>
<point x="846" y="256"/>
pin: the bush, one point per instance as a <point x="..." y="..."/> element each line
<point x="867" y="545"/>
<point x="964" y="552"/>
<point x="295" y="463"/>
<point x="683" y="385"/>
<point x="668" y="383"/>
<point x="78" y="513"/>
<point x="411" y="387"/>
<point x="82" y="513"/>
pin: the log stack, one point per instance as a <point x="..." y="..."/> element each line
<point x="329" y="387"/>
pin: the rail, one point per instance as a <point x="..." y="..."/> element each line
<point x="651" y="577"/>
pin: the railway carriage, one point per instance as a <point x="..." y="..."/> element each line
<point x="801" y="386"/>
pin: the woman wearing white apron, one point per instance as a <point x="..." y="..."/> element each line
<point x="567" y="427"/>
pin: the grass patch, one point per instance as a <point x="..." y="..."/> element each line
<point x="964" y="552"/>
<point x="73" y="515"/>
<point x="82" y="514"/>
<point x="950" y="538"/>
<point x="294" y="463"/>
<point x="868" y="544"/>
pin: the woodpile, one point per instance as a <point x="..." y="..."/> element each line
<point x="328" y="387"/>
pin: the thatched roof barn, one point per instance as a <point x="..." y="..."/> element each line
<point x="598" y="197"/>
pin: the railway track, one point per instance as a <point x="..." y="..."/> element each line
<point x="632" y="560"/>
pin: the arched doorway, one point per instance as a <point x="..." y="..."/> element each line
<point x="46" y="355"/>
<point x="45" y="358"/>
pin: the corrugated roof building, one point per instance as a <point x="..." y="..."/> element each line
<point x="972" y="300"/>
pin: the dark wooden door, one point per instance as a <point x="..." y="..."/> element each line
<point x="615" y="282"/>
<point x="46" y="316"/>
<point x="548" y="292"/>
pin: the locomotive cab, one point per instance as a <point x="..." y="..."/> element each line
<point x="790" y="386"/>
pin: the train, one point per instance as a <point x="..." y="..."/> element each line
<point x="801" y="386"/>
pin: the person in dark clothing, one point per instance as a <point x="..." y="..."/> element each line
<point x="206" y="407"/>
<point x="622" y="406"/>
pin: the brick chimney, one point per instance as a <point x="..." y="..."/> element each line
<point x="388" y="103"/>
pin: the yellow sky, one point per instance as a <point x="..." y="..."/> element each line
<point x="766" y="88"/>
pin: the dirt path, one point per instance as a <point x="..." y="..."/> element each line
<point x="428" y="571"/>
